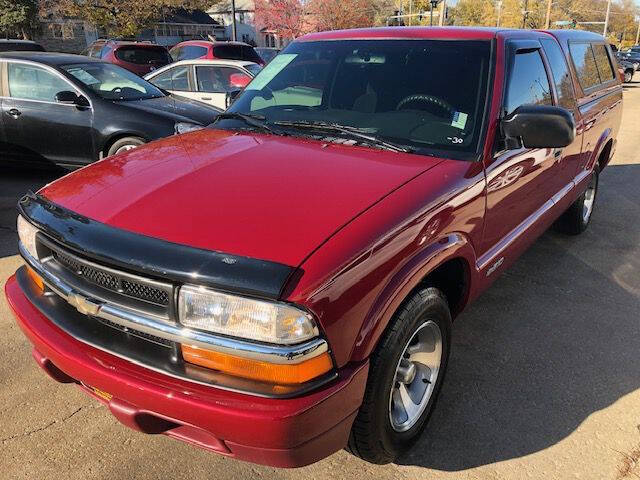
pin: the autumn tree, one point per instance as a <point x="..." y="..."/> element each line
<point x="122" y="17"/>
<point x="286" y="18"/>
<point x="18" y="17"/>
<point x="341" y="14"/>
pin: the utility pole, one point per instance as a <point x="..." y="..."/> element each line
<point x="499" y="6"/>
<point x="606" y="19"/>
<point x="638" y="33"/>
<point x="410" y="11"/>
<point x="525" y="13"/>
<point x="234" y="34"/>
<point x="548" y="20"/>
<point x="443" y="10"/>
<point x="434" y="4"/>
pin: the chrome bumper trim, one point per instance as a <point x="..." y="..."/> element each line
<point x="279" y="354"/>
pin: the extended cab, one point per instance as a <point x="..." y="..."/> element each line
<point x="282" y="284"/>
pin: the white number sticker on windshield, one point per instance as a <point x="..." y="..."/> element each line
<point x="271" y="70"/>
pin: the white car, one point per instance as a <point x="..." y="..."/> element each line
<point x="208" y="81"/>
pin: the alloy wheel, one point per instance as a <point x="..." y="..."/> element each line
<point x="415" y="377"/>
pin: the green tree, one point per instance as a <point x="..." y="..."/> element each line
<point x="473" y="13"/>
<point x="122" y="17"/>
<point x="18" y="17"/>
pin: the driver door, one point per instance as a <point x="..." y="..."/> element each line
<point x="37" y="127"/>
<point x="521" y="182"/>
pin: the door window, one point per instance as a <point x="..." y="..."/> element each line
<point x="528" y="83"/>
<point x="28" y="82"/>
<point x="176" y="78"/>
<point x="585" y="64"/>
<point x="603" y="63"/>
<point x="560" y="72"/>
<point x="215" y="79"/>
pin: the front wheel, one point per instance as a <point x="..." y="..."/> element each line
<point x="577" y="217"/>
<point x="628" y="76"/>
<point x="405" y="375"/>
<point x="125" y="144"/>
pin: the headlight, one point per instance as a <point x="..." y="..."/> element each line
<point x="271" y="322"/>
<point x="185" y="127"/>
<point x="27" y="235"/>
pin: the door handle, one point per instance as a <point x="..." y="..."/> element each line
<point x="206" y="98"/>
<point x="14" y="112"/>
<point x="557" y="153"/>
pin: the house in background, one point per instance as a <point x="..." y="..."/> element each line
<point x="65" y="34"/>
<point x="73" y="36"/>
<point x="269" y="38"/>
<point x="245" y="24"/>
<point x="184" y="25"/>
<point x="245" y="21"/>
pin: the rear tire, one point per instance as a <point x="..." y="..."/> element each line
<point x="124" y="144"/>
<point x="628" y="76"/>
<point x="419" y="335"/>
<point x="577" y="217"/>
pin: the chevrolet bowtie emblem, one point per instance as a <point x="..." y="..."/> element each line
<point x="83" y="304"/>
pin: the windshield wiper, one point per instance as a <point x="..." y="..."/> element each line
<point x="257" y="121"/>
<point x="354" y="132"/>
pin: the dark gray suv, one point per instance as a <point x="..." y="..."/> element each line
<point x="20" y="46"/>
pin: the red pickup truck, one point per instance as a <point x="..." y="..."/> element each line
<point x="281" y="284"/>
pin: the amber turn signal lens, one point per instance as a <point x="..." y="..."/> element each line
<point x="35" y="278"/>
<point x="282" y="374"/>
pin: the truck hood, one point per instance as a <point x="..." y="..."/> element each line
<point x="261" y="196"/>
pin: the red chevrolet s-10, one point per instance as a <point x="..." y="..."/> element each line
<point x="281" y="284"/>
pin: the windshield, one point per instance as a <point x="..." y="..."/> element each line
<point x="112" y="82"/>
<point x="428" y="95"/>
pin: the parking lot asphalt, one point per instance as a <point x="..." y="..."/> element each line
<point x="543" y="382"/>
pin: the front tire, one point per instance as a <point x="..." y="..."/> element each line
<point x="405" y="375"/>
<point x="577" y="217"/>
<point x="628" y="76"/>
<point x="124" y="144"/>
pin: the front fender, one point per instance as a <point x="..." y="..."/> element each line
<point x="408" y="277"/>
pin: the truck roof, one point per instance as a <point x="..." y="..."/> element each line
<point x="574" y="35"/>
<point x="444" y="33"/>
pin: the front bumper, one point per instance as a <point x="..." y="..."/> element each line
<point x="283" y="432"/>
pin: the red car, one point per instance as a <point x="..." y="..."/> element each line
<point x="137" y="57"/>
<point x="203" y="49"/>
<point x="281" y="285"/>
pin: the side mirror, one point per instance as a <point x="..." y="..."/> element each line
<point x="71" y="98"/>
<point x="239" y="80"/>
<point x="230" y="97"/>
<point x="539" y="126"/>
<point x="67" y="97"/>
